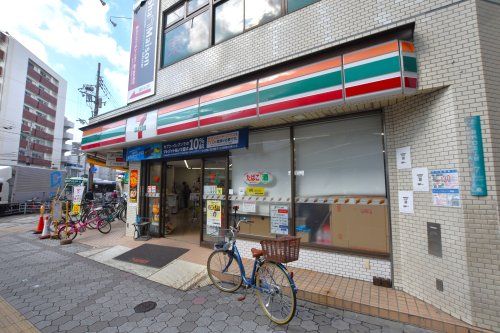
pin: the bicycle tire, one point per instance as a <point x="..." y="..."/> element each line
<point x="123" y="215"/>
<point x="283" y="287"/>
<point x="66" y="233"/>
<point x="234" y="279"/>
<point x="103" y="227"/>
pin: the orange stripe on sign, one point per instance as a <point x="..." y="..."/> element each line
<point x="408" y="47"/>
<point x="180" y="105"/>
<point x="114" y="125"/>
<point x="92" y="131"/>
<point x="229" y="91"/>
<point x="371" y="52"/>
<point x="301" y="71"/>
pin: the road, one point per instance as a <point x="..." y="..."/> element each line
<point x="59" y="291"/>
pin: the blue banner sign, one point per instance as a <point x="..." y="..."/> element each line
<point x="476" y="157"/>
<point x="206" y="144"/>
<point x="146" y="152"/>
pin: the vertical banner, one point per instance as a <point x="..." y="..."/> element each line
<point x="142" y="70"/>
<point x="476" y="157"/>
<point x="134" y="179"/>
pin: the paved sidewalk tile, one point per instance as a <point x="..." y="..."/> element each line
<point x="11" y="321"/>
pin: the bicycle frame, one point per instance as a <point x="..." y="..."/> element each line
<point x="250" y="281"/>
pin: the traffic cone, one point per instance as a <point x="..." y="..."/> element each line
<point x="39" y="227"/>
<point x="46" y="229"/>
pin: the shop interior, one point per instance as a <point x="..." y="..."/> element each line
<point x="183" y="218"/>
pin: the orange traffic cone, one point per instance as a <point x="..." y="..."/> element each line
<point x="46" y="229"/>
<point x="39" y="227"/>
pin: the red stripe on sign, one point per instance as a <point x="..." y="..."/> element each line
<point x="373" y="87"/>
<point x="228" y="117"/>
<point x="176" y="128"/>
<point x="104" y="143"/>
<point x="303" y="101"/>
<point x="411" y="82"/>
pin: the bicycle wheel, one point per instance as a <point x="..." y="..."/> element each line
<point x="123" y="215"/>
<point x="66" y="232"/>
<point x="223" y="271"/>
<point x="104" y="227"/>
<point x="91" y="220"/>
<point x="275" y="293"/>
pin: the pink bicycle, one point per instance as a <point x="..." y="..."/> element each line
<point x="94" y="218"/>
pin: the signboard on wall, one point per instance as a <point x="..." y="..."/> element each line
<point x="476" y="157"/>
<point x="142" y="68"/>
<point x="279" y="219"/>
<point x="141" y="127"/>
<point x="134" y="180"/>
<point x="146" y="152"/>
<point x="78" y="194"/>
<point x="206" y="144"/>
<point x="115" y="160"/>
<point x="445" y="188"/>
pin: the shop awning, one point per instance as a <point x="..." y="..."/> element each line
<point x="381" y="71"/>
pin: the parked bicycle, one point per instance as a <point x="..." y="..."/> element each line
<point x="273" y="284"/>
<point x="95" y="218"/>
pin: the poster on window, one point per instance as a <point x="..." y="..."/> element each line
<point x="445" y="188"/>
<point x="279" y="219"/>
<point x="214" y="213"/>
<point x="134" y="179"/>
<point x="142" y="67"/>
<point x="78" y="194"/>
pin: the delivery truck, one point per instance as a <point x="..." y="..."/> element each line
<point x="25" y="184"/>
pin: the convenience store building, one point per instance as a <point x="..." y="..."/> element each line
<point x="367" y="129"/>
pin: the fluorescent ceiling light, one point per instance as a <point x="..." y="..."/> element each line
<point x="185" y="162"/>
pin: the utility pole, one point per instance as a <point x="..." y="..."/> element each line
<point x="97" y="85"/>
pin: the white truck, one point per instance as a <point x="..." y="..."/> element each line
<point x="21" y="184"/>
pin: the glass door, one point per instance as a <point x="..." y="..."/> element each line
<point x="153" y="189"/>
<point x="214" y="197"/>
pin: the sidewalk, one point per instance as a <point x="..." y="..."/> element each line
<point x="325" y="289"/>
<point x="11" y="321"/>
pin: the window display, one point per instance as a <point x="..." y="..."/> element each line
<point x="261" y="182"/>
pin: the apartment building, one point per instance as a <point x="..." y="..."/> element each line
<point x="32" y="104"/>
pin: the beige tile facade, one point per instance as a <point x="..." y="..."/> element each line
<point x="457" y="47"/>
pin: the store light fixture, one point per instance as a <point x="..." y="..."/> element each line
<point x="186" y="162"/>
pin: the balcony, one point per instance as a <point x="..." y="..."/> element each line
<point x="43" y="135"/>
<point x="67" y="136"/>
<point x="66" y="147"/>
<point x="41" y="162"/>
<point x="29" y="116"/>
<point x="68" y="123"/>
<point x="41" y="148"/>
<point x="30" y="101"/>
<point x="46" y="109"/>
<point x="33" y="74"/>
<point x="45" y="122"/>
<point x="23" y="143"/>
<point x="2" y="54"/>
<point x="46" y="82"/>
<point x="48" y="97"/>
<point x="25" y="128"/>
<point x="32" y="88"/>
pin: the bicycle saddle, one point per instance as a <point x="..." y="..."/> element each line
<point x="256" y="252"/>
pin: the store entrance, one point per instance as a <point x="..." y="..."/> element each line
<point x="183" y="218"/>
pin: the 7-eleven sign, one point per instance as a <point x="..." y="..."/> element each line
<point x="141" y="127"/>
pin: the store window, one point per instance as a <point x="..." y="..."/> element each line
<point x="261" y="183"/>
<point x="258" y="12"/>
<point x="194" y="5"/>
<point x="294" y="5"/>
<point x="174" y="16"/>
<point x="340" y="184"/>
<point x="186" y="39"/>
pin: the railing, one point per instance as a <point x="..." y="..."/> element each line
<point x="23" y="208"/>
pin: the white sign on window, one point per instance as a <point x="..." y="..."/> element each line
<point x="279" y="219"/>
<point x="420" y="178"/>
<point x="403" y="158"/>
<point x="248" y="207"/>
<point x="406" y="202"/>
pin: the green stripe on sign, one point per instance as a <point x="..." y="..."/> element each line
<point x="102" y="136"/>
<point x="410" y="64"/>
<point x="372" y="69"/>
<point x="303" y="86"/>
<point x="177" y="117"/>
<point x="229" y="104"/>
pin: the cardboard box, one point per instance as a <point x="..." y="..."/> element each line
<point x="261" y="226"/>
<point x="305" y="236"/>
<point x="360" y="227"/>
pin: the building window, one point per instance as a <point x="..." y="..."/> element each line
<point x="294" y="5"/>
<point x="188" y="28"/>
<point x="229" y="18"/>
<point x="261" y="182"/>
<point x="186" y="39"/>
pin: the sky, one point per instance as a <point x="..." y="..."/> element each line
<point x="72" y="36"/>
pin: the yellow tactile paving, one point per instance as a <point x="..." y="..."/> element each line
<point x="11" y="321"/>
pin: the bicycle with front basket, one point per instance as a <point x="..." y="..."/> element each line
<point x="273" y="284"/>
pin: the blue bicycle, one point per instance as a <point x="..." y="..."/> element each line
<point x="274" y="285"/>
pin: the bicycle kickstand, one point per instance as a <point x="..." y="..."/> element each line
<point x="244" y="296"/>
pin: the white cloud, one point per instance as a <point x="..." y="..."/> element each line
<point x="119" y="81"/>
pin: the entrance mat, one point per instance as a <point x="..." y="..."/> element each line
<point x="152" y="255"/>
